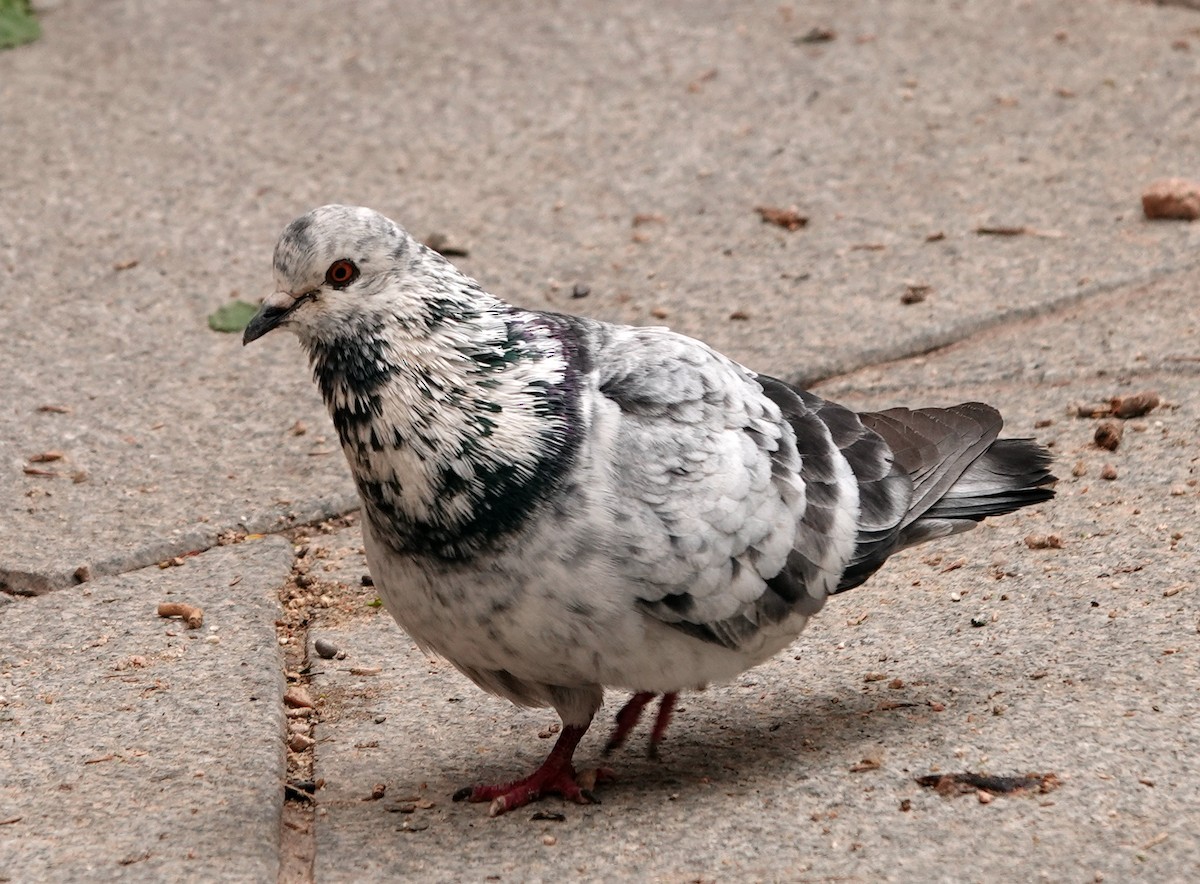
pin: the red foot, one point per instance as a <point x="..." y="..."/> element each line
<point x="628" y="717"/>
<point x="556" y="776"/>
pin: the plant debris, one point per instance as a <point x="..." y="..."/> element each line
<point x="816" y="35"/>
<point x="789" y="218"/>
<point x="192" y="616"/>
<point x="377" y="792"/>
<point x="871" y="762"/>
<point x="951" y="784"/>
<point x="1173" y="199"/>
<point x="1017" y="230"/>
<point x="1108" y="435"/>
<point x="297" y="698"/>
<point x="915" y="293"/>
<point x="1135" y="405"/>
<point x="232" y="316"/>
<point x="1044" y="541"/>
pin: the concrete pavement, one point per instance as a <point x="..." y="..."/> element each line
<point x="153" y="152"/>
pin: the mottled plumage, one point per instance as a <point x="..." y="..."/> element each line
<point x="558" y="505"/>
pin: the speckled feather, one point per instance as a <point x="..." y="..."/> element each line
<point x="558" y="505"/>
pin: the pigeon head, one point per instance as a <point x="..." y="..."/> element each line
<point x="339" y="269"/>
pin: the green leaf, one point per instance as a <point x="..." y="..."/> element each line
<point x="376" y="602"/>
<point x="232" y="316"/>
<point x="17" y="24"/>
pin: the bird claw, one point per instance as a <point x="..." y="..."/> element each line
<point x="565" y="783"/>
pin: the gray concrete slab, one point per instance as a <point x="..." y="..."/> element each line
<point x="133" y="748"/>
<point x="1083" y="665"/>
<point x="174" y="140"/>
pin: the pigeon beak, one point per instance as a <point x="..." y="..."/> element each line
<point x="275" y="307"/>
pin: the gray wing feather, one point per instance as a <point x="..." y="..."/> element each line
<point x="728" y="527"/>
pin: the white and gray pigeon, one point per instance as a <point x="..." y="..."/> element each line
<point x="558" y="505"/>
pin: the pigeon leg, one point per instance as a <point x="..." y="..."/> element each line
<point x="627" y="719"/>
<point x="555" y="776"/>
<point x="665" y="708"/>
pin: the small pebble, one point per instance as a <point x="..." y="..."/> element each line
<point x="979" y="621"/>
<point x="549" y="840"/>
<point x="380" y="719"/>
<point x="325" y="649"/>
<point x="580" y="290"/>
<point x="1109" y="472"/>
<point x="299" y="742"/>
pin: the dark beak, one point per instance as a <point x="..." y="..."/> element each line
<point x="273" y="311"/>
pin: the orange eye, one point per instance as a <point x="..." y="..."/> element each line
<point x="341" y="273"/>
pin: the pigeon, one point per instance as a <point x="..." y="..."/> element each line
<point x="560" y="506"/>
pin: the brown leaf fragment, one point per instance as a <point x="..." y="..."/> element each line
<point x="1173" y="199"/>
<point x="1135" y="405"/>
<point x="1108" y="435"/>
<point x="949" y="785"/>
<point x="297" y="698"/>
<point x="816" y="34"/>
<point x="642" y="218"/>
<point x="936" y="236"/>
<point x="1089" y="409"/>
<point x="915" y="293"/>
<point x="789" y="218"/>
<point x="46" y="457"/>
<point x="127" y="264"/>
<point x="1001" y="230"/>
<point x="54" y="409"/>
<point x="871" y="762"/>
<point x="739" y="315"/>
<point x="1044" y="541"/>
<point x="40" y="473"/>
<point x="192" y="616"/>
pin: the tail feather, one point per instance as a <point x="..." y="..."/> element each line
<point x="960" y="473"/>
<point x="1010" y="474"/>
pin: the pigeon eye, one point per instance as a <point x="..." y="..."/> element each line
<point x="341" y="273"/>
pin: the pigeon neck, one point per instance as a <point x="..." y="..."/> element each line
<point x="454" y="437"/>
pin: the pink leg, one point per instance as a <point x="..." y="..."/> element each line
<point x="555" y="776"/>
<point x="665" y="708"/>
<point x="627" y="719"/>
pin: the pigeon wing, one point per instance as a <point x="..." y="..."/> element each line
<point x="725" y="526"/>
